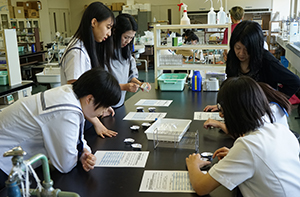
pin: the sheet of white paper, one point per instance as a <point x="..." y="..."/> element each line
<point x="145" y="116"/>
<point x="166" y="181"/>
<point x="207" y="115"/>
<point x="136" y="159"/>
<point x="155" y="103"/>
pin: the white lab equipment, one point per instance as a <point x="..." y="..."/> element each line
<point x="211" y="16"/>
<point x="221" y="15"/>
<point x="185" y="19"/>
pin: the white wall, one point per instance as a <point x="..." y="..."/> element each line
<point x="283" y="7"/>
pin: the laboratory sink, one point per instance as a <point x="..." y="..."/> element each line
<point x="49" y="75"/>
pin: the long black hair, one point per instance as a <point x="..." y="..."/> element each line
<point x="99" y="53"/>
<point x="250" y="34"/>
<point x="244" y="105"/>
<point x="124" y="23"/>
<point x="276" y="96"/>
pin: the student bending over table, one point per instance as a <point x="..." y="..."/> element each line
<point x="264" y="160"/>
<point x="51" y="122"/>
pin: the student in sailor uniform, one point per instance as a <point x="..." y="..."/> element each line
<point x="123" y="65"/>
<point x="280" y="106"/>
<point x="264" y="159"/>
<point x="91" y="46"/>
<point x="51" y="122"/>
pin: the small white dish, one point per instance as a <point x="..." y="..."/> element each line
<point x="136" y="146"/>
<point x="129" y="141"/>
<point x="146" y="124"/>
<point x="135" y="127"/>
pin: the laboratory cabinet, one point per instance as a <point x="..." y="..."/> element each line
<point x="16" y="92"/>
<point x="160" y="66"/>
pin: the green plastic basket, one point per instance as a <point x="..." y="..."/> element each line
<point x="172" y="81"/>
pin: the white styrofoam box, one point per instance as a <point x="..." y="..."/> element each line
<point x="134" y="11"/>
<point x="129" y="2"/>
<point x="146" y="7"/>
<point x="137" y="6"/>
<point x="178" y="129"/>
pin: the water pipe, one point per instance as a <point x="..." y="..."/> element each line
<point x="14" y="179"/>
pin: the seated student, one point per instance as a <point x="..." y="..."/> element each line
<point x="278" y="102"/>
<point x="264" y="160"/>
<point x="51" y="122"/>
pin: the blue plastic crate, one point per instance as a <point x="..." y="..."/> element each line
<point x="284" y="61"/>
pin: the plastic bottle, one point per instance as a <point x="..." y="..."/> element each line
<point x="196" y="81"/>
<point x="211" y="16"/>
<point x="28" y="24"/>
<point x="221" y="15"/>
<point x="185" y="19"/>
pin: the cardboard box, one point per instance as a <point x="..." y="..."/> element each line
<point x="31" y="13"/>
<point x="19" y="12"/>
<point x="11" y="11"/>
<point x="117" y="6"/>
<point x="35" y="5"/>
<point x="25" y="5"/>
<point x="20" y="4"/>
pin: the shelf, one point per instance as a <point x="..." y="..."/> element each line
<point x="29" y="63"/>
<point x="26" y="35"/>
<point x="211" y="67"/>
<point x="158" y="67"/>
<point x="192" y="26"/>
<point x="189" y="47"/>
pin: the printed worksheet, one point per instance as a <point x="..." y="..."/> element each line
<point x="154" y="103"/>
<point x="166" y="181"/>
<point x="207" y="115"/>
<point x="145" y="116"/>
<point x="135" y="159"/>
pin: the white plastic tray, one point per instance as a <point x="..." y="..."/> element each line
<point x="178" y="127"/>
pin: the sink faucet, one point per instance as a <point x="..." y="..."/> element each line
<point x="14" y="179"/>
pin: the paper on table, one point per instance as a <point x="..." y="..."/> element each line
<point x="207" y="115"/>
<point x="166" y="181"/>
<point x="152" y="102"/>
<point x="145" y="116"/>
<point x="136" y="159"/>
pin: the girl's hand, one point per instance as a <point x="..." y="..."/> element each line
<point x="211" y="123"/>
<point x="132" y="87"/>
<point x="108" y="112"/>
<point x="194" y="160"/>
<point x="88" y="160"/>
<point x="221" y="153"/>
<point x="211" y="108"/>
